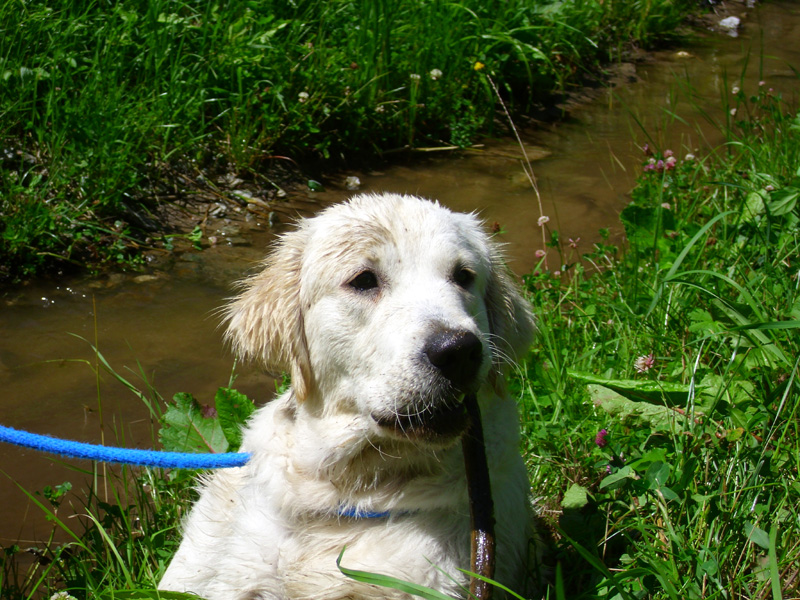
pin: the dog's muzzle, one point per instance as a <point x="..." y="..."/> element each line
<point x="453" y="357"/>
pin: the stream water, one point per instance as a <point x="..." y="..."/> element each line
<point x="162" y="327"/>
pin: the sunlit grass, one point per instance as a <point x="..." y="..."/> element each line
<point x="684" y="347"/>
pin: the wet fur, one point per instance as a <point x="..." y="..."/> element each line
<point x="271" y="529"/>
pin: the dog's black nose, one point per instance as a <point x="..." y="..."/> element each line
<point x="457" y="354"/>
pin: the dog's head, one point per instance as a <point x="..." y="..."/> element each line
<point x="390" y="307"/>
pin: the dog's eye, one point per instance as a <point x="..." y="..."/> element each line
<point x="364" y="281"/>
<point x="463" y="277"/>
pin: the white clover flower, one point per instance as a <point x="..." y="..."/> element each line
<point x="644" y="363"/>
<point x="735" y="90"/>
<point x="540" y="253"/>
<point x="689" y="157"/>
<point x="414" y="77"/>
<point x="733" y="112"/>
<point x="302" y="97"/>
<point x="380" y="108"/>
<point x="352" y="182"/>
<point x="542" y="220"/>
<point x="435" y="74"/>
<point x="62" y="595"/>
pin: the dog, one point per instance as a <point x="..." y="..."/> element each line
<point x="385" y="310"/>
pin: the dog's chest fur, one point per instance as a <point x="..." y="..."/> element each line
<point x="272" y="529"/>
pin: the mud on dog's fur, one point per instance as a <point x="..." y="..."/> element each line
<point x="386" y="310"/>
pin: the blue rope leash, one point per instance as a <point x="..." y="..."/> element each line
<point x="147" y="458"/>
<point x="127" y="456"/>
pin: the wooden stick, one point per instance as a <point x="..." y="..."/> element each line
<point x="481" y="508"/>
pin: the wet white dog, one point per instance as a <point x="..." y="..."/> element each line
<point x="386" y="310"/>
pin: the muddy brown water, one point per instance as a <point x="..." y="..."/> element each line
<point x="162" y="327"/>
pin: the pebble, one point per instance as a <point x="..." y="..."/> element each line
<point x="145" y="278"/>
<point x="731" y="25"/>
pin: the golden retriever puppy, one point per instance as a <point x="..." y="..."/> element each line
<point x="386" y="310"/>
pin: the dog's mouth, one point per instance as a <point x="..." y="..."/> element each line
<point x="449" y="419"/>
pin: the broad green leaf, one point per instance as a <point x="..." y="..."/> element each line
<point x="575" y="497"/>
<point x="783" y="201"/>
<point x="702" y="321"/>
<point x="753" y="206"/>
<point x="756" y="535"/>
<point x="668" y="494"/>
<point x="657" y="474"/>
<point x="636" y="414"/>
<point x="701" y="499"/>
<point x="710" y="567"/>
<point x="733" y="435"/>
<point x="674" y="394"/>
<point x="618" y="479"/>
<point x="233" y="409"/>
<point x="188" y="427"/>
<point x="714" y="388"/>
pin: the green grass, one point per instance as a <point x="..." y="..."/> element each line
<point x="684" y="348"/>
<point x="110" y="110"/>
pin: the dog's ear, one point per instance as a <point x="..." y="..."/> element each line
<point x="510" y="318"/>
<point x="265" y="321"/>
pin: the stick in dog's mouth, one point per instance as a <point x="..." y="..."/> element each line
<point x="451" y="419"/>
<point x="481" y="507"/>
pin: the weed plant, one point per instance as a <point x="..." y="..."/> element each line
<point x="111" y="109"/>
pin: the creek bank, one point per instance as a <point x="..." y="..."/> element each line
<point x="235" y="214"/>
<point x="214" y="219"/>
<point x="187" y="196"/>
